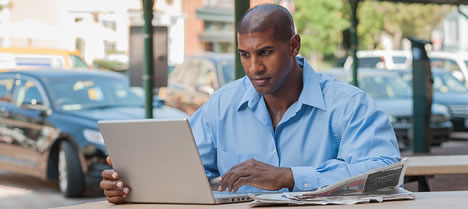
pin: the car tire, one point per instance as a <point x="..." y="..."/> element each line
<point x="71" y="177"/>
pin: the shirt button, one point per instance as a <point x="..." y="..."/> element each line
<point x="274" y="150"/>
<point x="306" y="185"/>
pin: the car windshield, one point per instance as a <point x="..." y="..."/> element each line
<point x="382" y="87"/>
<point x="399" y="59"/>
<point x="93" y="93"/>
<point x="445" y="82"/>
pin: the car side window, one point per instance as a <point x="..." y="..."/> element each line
<point x="5" y="89"/>
<point x="77" y="62"/>
<point x="371" y="62"/>
<point x="27" y="93"/>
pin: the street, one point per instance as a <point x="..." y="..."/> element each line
<point x="26" y="192"/>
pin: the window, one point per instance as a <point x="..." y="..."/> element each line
<point x="207" y="76"/>
<point x="39" y="61"/>
<point x="227" y="72"/>
<point x="448" y="65"/>
<point x="445" y="82"/>
<point x="27" y="93"/>
<point x="5" y="89"/>
<point x="186" y="74"/>
<point x="399" y="59"/>
<point x="77" y="62"/>
<point x="380" y="86"/>
<point x="369" y="62"/>
<point x="71" y="94"/>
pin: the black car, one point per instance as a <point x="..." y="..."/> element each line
<point x="48" y="122"/>
<point x="450" y="92"/>
<point x="393" y="95"/>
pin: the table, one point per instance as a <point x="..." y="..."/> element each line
<point x="446" y="200"/>
<point x="420" y="167"/>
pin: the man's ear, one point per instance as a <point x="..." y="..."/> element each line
<point x="295" y="43"/>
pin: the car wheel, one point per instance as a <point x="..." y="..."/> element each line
<point x="71" y="177"/>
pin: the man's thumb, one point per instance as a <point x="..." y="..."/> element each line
<point x="109" y="161"/>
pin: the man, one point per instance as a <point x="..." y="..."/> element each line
<point x="284" y="126"/>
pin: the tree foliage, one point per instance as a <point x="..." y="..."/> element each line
<point x="321" y="22"/>
<point x="406" y="20"/>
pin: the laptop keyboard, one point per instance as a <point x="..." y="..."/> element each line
<point x="229" y="194"/>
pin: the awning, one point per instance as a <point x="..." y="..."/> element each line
<point x="216" y="14"/>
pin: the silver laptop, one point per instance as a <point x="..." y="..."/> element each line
<point x="159" y="161"/>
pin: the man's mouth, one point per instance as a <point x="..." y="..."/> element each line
<point x="261" y="81"/>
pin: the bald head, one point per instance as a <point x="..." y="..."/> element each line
<point x="268" y="16"/>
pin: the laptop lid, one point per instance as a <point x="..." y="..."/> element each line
<point x="155" y="159"/>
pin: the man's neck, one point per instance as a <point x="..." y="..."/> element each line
<point x="287" y="95"/>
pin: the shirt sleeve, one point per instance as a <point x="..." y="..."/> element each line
<point x="202" y="132"/>
<point x="366" y="141"/>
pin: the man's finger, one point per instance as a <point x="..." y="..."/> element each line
<point x="116" y="192"/>
<point x="109" y="174"/>
<point x="240" y="182"/>
<point x="224" y="180"/>
<point x="117" y="199"/>
<point x="236" y="174"/>
<point x="106" y="184"/>
<point x="108" y="161"/>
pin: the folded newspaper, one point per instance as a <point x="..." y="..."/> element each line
<point x="378" y="185"/>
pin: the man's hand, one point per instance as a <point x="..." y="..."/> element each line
<point x="257" y="174"/>
<point x="113" y="188"/>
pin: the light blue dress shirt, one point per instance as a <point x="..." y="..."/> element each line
<point x="334" y="131"/>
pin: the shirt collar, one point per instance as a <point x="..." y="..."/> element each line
<point x="311" y="93"/>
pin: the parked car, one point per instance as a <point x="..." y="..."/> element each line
<point x="393" y="95"/>
<point x="49" y="124"/>
<point x="381" y="59"/>
<point x="191" y="84"/>
<point x="454" y="62"/>
<point x="449" y="92"/>
<point x="37" y="58"/>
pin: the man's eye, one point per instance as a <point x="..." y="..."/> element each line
<point x="265" y="52"/>
<point x="244" y="55"/>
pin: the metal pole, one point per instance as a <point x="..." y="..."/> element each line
<point x="148" y="57"/>
<point x="240" y="7"/>
<point x="422" y="97"/>
<point x="354" y="40"/>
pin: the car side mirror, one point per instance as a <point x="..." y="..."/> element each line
<point x="158" y="102"/>
<point x="206" y="89"/>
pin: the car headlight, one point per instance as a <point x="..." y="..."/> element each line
<point x="438" y="108"/>
<point x="93" y="136"/>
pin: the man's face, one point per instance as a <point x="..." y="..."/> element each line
<point x="266" y="61"/>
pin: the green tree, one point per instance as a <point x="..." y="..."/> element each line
<point x="320" y="24"/>
<point x="405" y="20"/>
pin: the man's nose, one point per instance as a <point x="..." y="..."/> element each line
<point x="256" y="65"/>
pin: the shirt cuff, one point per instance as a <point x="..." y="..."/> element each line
<point x="305" y="178"/>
